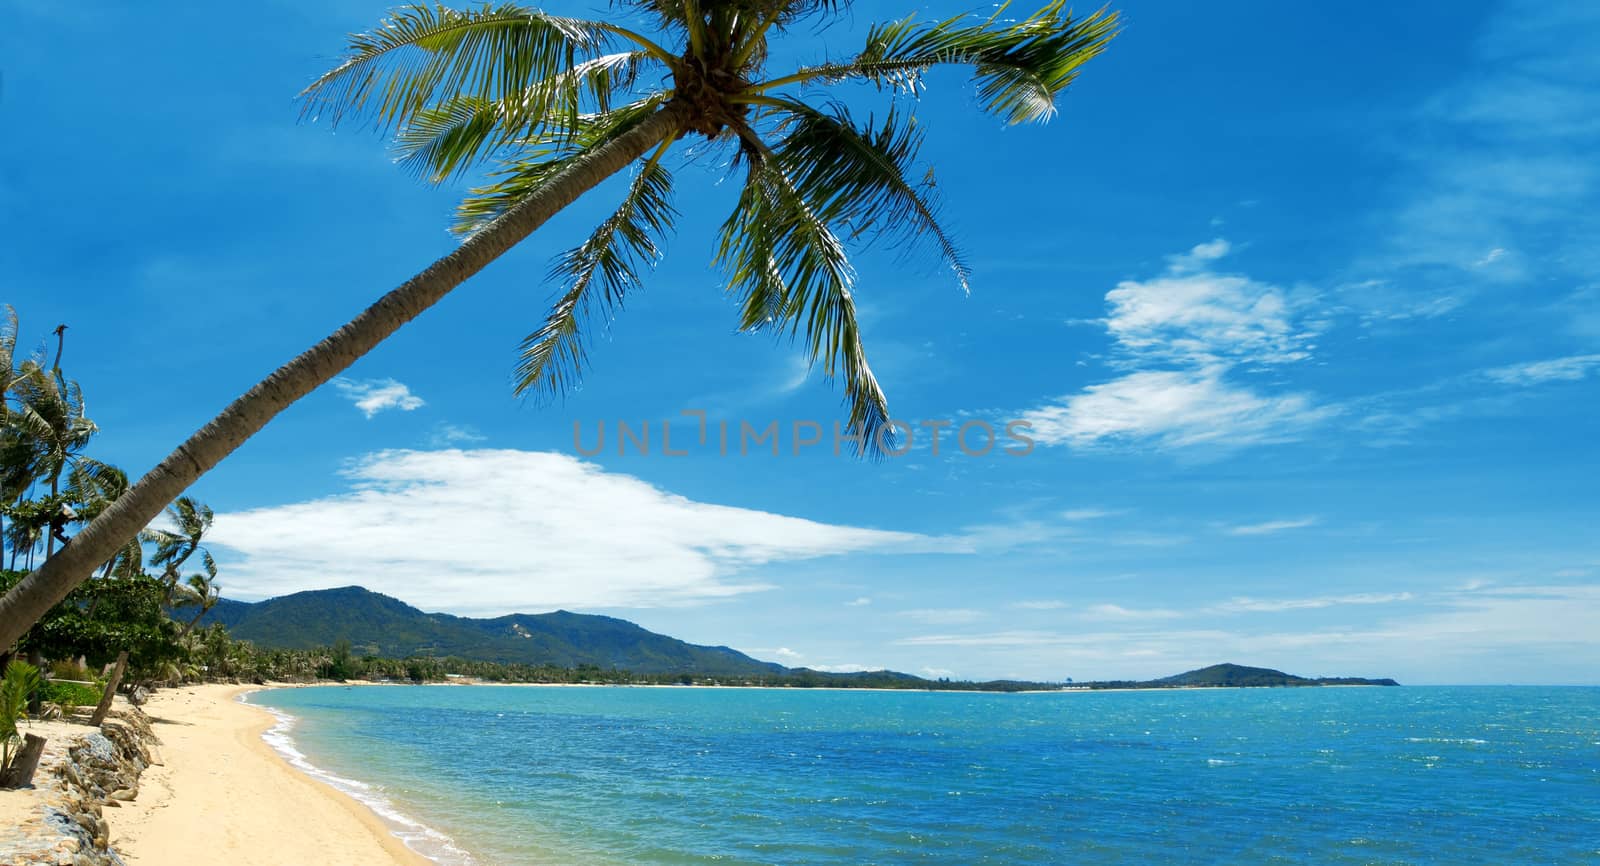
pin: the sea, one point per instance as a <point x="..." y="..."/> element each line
<point x="617" y="775"/>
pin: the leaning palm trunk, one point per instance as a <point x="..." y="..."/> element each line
<point x="45" y="587"/>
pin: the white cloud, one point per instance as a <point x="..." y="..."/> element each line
<point x="1185" y="336"/>
<point x="1504" y="177"/>
<point x="1491" y="635"/>
<point x="848" y="668"/>
<point x="494" y="531"/>
<point x="799" y="370"/>
<point x="1118" y="612"/>
<point x="1199" y="255"/>
<point x="1255" y="605"/>
<point x="1569" y="369"/>
<point x="786" y="655"/>
<point x="372" y="396"/>
<point x="449" y="435"/>
<point x="1076" y="514"/>
<point x="943" y="616"/>
<point x="1206" y="318"/>
<point x="1490" y="258"/>
<point x="1174" y="409"/>
<point x="1271" y="526"/>
<point x="863" y="601"/>
<point x="1041" y="604"/>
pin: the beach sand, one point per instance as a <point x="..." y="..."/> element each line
<point x="222" y="795"/>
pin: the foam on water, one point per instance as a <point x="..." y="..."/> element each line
<point x="417" y="836"/>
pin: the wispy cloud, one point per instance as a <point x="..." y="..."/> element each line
<point x="1040" y="604"/>
<point x="943" y="616"/>
<point x="494" y="531"/>
<point x="1255" y="605"/>
<point x="1174" y="409"/>
<point x="1118" y="612"/>
<point x="1271" y="526"/>
<point x="862" y="601"/>
<point x="372" y="396"/>
<point x="1483" y="635"/>
<point x="1186" y="336"/>
<point x="1569" y="369"/>
<point x="1199" y="257"/>
<point x="450" y="435"/>
<point x="1504" y="181"/>
<point x="1077" y="514"/>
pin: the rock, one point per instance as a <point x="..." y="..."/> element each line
<point x="65" y="824"/>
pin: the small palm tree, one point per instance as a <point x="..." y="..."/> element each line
<point x="200" y="590"/>
<point x="49" y="419"/>
<point x="558" y="105"/>
<point x="94" y="492"/>
<point x="192" y="520"/>
<point x="14" y="453"/>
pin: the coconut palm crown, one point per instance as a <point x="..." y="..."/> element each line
<point x="528" y="93"/>
<point x="556" y="106"/>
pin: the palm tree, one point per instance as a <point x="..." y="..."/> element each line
<point x="94" y="492"/>
<point x="561" y="104"/>
<point x="16" y="452"/>
<point x="201" y="590"/>
<point x="193" y="520"/>
<point x="49" y="418"/>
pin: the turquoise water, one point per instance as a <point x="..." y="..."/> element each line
<point x="670" y="776"/>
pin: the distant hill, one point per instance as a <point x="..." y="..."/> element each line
<point x="376" y="624"/>
<point x="1240" y="676"/>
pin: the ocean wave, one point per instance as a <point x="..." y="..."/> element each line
<point x="416" y="835"/>
<point x="1460" y="741"/>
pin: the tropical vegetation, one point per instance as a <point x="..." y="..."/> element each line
<point x="552" y="106"/>
<point x="50" y="486"/>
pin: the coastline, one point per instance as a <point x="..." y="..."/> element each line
<point x="224" y="795"/>
<point x="234" y="788"/>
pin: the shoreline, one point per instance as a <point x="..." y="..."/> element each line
<point x="414" y="834"/>
<point x="235" y="786"/>
<point x="223" y="794"/>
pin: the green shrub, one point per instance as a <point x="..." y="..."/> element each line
<point x="64" y="669"/>
<point x="20" y="681"/>
<point x="69" y="695"/>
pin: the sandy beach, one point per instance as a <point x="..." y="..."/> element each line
<point x="223" y="796"/>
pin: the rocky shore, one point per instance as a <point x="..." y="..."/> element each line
<point x="84" y="773"/>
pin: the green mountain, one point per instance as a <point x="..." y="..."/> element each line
<point x="376" y="624"/>
<point x="1240" y="676"/>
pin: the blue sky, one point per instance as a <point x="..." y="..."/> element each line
<point x="1303" y="307"/>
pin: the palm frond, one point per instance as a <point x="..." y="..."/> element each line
<point x="553" y="357"/>
<point x="792" y="272"/>
<point x="1019" y="66"/>
<point x="859" y="176"/>
<point x="540" y="159"/>
<point x="452" y="137"/>
<point x="129" y="561"/>
<point x="8" y="351"/>
<point x="422" y="56"/>
<point x="95" y="485"/>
